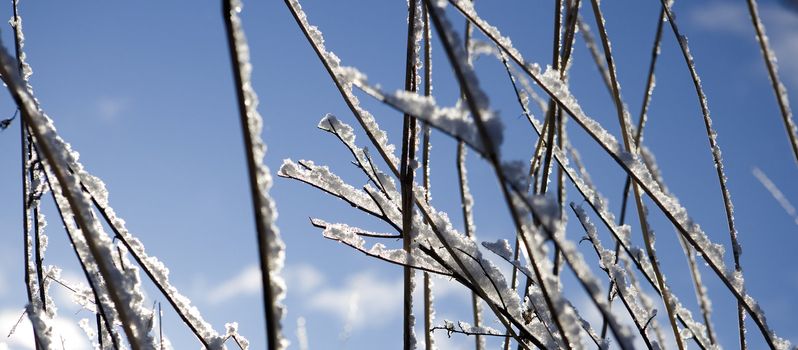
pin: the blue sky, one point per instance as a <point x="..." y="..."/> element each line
<point x="144" y="92"/>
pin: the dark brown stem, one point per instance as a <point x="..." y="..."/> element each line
<point x="406" y="177"/>
<point x="428" y="342"/>
<point x="258" y="201"/>
<point x="468" y="217"/>
<point x="26" y="191"/>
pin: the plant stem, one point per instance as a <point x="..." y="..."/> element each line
<point x="266" y="235"/>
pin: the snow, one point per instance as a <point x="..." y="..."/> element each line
<point x="346" y="134"/>
<point x="321" y="177"/>
<point x="468" y="262"/>
<point x="42" y="328"/>
<point x="501" y="248"/>
<point x="477" y="99"/>
<point x="231" y="330"/>
<point x="24" y="68"/>
<point x="158" y="272"/>
<point x="465" y="327"/>
<point x="454" y="120"/>
<point x="90" y="333"/>
<point x="353" y="237"/>
<point x="632" y="291"/>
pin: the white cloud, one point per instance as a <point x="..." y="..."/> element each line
<point x="447" y="288"/>
<point x="247" y="282"/>
<point x="301" y="278"/>
<point x="365" y="300"/>
<point x="722" y="17"/>
<point x="64" y="329"/>
<point x="733" y="18"/>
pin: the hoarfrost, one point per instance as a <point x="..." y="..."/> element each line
<point x="231" y="330"/>
<point x="353" y="237"/>
<point x="321" y="177"/>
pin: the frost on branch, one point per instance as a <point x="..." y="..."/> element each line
<point x="353" y="237"/>
<point x="231" y="330"/>
<point x="346" y="134"/>
<point x="467" y="329"/>
<point x="455" y="120"/>
<point x="322" y="178"/>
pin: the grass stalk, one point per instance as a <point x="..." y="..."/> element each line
<point x="27" y="248"/>
<point x="718" y="163"/>
<point x="631" y="148"/>
<point x="778" y="88"/>
<point x="626" y="303"/>
<point x="466" y="201"/>
<point x="260" y="200"/>
<point x="406" y="177"/>
<point x="639" y="131"/>
<point x="426" y="133"/>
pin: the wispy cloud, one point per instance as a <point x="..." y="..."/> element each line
<point x="300" y="278"/>
<point x="247" y="282"/>
<point x="3" y="284"/>
<point x="722" y="17"/>
<point x="364" y="300"/>
<point x="732" y="18"/>
<point x="111" y="108"/>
